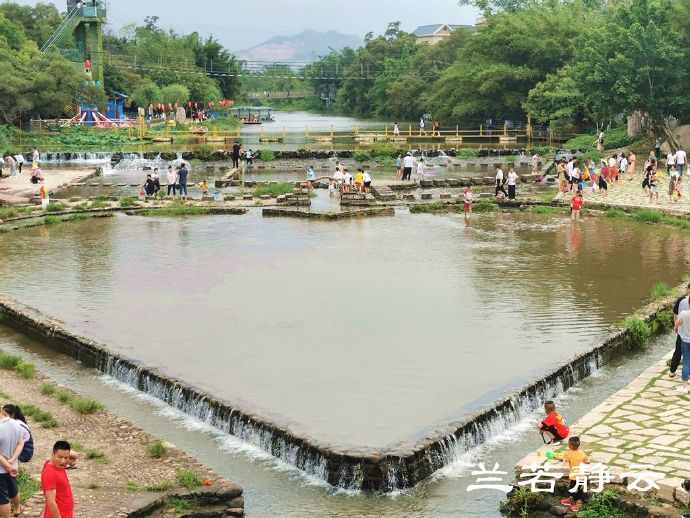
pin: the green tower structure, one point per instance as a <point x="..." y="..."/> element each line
<point x="84" y="22"/>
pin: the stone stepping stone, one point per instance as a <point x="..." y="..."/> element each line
<point x="427" y="196"/>
<point x="229" y="197"/>
<point x="409" y="197"/>
<point x="248" y="197"/>
<point x="265" y="196"/>
<point x="445" y="196"/>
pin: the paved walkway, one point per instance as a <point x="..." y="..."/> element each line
<point x="629" y="193"/>
<point x="643" y="427"/>
<point x="19" y="189"/>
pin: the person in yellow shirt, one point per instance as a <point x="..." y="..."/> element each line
<point x="574" y="457"/>
<point x="359" y="180"/>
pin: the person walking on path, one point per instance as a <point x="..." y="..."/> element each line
<point x="681" y="304"/>
<point x="59" y="501"/>
<point x="600" y="142"/>
<point x="500" y="181"/>
<point x="398" y="168"/>
<point x="421" y="127"/>
<point x="682" y="327"/>
<point x="408" y="163"/>
<point x="19" y="159"/>
<point x="681" y="162"/>
<point x="171" y="177"/>
<point x="670" y="161"/>
<point x="512" y="183"/>
<point x="632" y="162"/>
<point x="396" y="130"/>
<point x="35" y="157"/>
<point x="12" y="439"/>
<point x="11" y="165"/>
<point x="182" y="175"/>
<point x="576" y="206"/>
<point x="236" y="150"/>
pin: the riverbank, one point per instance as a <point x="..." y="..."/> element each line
<point x="122" y="471"/>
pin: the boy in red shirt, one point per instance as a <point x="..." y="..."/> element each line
<point x="553" y="428"/>
<point x="56" y="488"/>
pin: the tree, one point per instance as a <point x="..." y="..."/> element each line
<point x="175" y="94"/>
<point x="558" y="100"/>
<point x="38" y="22"/>
<point x="147" y="93"/>
<point x="635" y="61"/>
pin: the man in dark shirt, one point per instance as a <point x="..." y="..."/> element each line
<point x="682" y="304"/>
<point x="182" y="180"/>
<point x="236" y="149"/>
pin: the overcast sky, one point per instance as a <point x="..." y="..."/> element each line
<point x="240" y="24"/>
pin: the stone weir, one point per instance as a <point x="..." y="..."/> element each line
<point x="396" y="467"/>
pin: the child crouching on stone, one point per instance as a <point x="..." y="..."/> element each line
<point x="553" y="428"/>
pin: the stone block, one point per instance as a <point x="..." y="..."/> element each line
<point x="427" y="196"/>
<point x="265" y="196"/>
<point x="229" y="197"/>
<point x="682" y="496"/>
<point x="445" y="196"/>
<point x="248" y="197"/>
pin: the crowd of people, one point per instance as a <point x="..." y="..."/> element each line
<point x="17" y="447"/>
<point x="343" y="181"/>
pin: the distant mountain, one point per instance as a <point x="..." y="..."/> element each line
<point x="307" y="46"/>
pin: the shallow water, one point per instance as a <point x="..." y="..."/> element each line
<point x="358" y="333"/>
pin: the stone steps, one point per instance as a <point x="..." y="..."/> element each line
<point x="383" y="193"/>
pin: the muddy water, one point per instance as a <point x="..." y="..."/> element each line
<point x="360" y="333"/>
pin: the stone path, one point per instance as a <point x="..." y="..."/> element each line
<point x="645" y="424"/>
<point x="19" y="189"/>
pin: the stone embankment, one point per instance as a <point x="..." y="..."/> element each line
<point x="122" y="470"/>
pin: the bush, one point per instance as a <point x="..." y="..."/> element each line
<point x="603" y="505"/>
<point x="45" y="419"/>
<point x="63" y="396"/>
<point x="48" y="389"/>
<point x="267" y="155"/>
<point x="188" y="479"/>
<point x="361" y="156"/>
<point x="615" y="213"/>
<point x="614" y="138"/>
<point x="27" y="486"/>
<point x="156" y="449"/>
<point x="26" y="370"/>
<point x="85" y="406"/>
<point x="544" y="209"/>
<point x="648" y="216"/>
<point x="663" y="321"/>
<point x="128" y="201"/>
<point x="96" y="455"/>
<point x="9" y="361"/>
<point x="51" y="220"/>
<point x="465" y="153"/>
<point x="484" y="206"/>
<point x="55" y="207"/>
<point x="660" y="289"/>
<point x="639" y="331"/>
<point x="384" y="151"/>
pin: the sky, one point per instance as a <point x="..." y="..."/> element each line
<point x="241" y="24"/>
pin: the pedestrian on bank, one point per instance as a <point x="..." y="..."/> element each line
<point x="35" y="157"/>
<point x="12" y="439"/>
<point x="182" y="175"/>
<point x="600" y="142"/>
<point x="632" y="163"/>
<point x="11" y="165"/>
<point x="673" y="183"/>
<point x="396" y="130"/>
<point x="27" y="453"/>
<point x="59" y="502"/>
<point x="156" y="181"/>
<point x="367" y="181"/>
<point x="653" y="187"/>
<point x="603" y="178"/>
<point x="681" y="304"/>
<point x="512" y="183"/>
<point x="398" y="167"/>
<point x="236" y="150"/>
<point x="500" y="182"/>
<point x="408" y="163"/>
<point x="171" y="178"/>
<point x="682" y="327"/>
<point x="574" y="457"/>
<point x="681" y="162"/>
<point x="19" y="159"/>
<point x="670" y="161"/>
<point x="657" y="148"/>
<point x="420" y="170"/>
<point x="421" y="126"/>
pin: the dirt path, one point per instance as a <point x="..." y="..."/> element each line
<point x="116" y="474"/>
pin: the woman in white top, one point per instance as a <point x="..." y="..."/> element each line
<point x="171" y="177"/>
<point x="512" y="183"/>
<point x="420" y="170"/>
<point x="670" y="161"/>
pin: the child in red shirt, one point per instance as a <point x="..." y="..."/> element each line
<point x="553" y="428"/>
<point x="576" y="205"/>
<point x="59" y="502"/>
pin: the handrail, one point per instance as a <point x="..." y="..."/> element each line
<point x="61" y="28"/>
